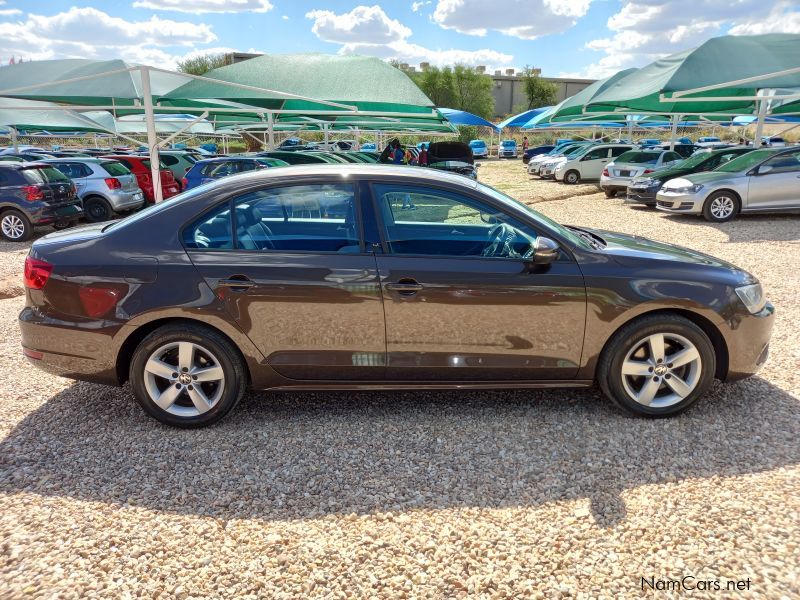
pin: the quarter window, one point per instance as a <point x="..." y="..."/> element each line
<point x="426" y="221"/>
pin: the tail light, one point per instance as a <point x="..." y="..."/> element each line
<point x="113" y="183"/>
<point x="185" y="182"/>
<point x="646" y="171"/>
<point x="97" y="301"/>
<point x="605" y="173"/>
<point x="33" y="193"/>
<point x="36" y="273"/>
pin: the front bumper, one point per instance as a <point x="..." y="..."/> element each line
<point x="748" y="342"/>
<point x="641" y="196"/>
<point x="689" y="204"/>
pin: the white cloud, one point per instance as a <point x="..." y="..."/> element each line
<point x="417" y="6"/>
<point x="645" y="30"/>
<point x="526" y="19"/>
<point x="206" y="6"/>
<point x="362" y="25"/>
<point x="10" y="12"/>
<point x="414" y="54"/>
<point x="64" y="35"/>
<point x="285" y="17"/>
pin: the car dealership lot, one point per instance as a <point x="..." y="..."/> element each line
<point x="440" y="493"/>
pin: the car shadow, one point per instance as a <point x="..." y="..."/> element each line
<point x="292" y="455"/>
<point x="750" y="228"/>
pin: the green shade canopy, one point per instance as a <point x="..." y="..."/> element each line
<point x="574" y="106"/>
<point x="719" y="61"/>
<point x="88" y="82"/>
<point x="366" y="83"/>
<point x="47" y="116"/>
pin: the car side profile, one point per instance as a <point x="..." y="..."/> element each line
<point x="210" y="169"/>
<point x="106" y="187"/>
<point x="322" y="277"/>
<point x="589" y="163"/>
<point x="763" y="180"/>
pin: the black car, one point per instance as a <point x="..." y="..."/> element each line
<point x="34" y="194"/>
<point x="685" y="150"/>
<point x="643" y="190"/>
<point x="377" y="277"/>
<point x="535" y="151"/>
<point x="455" y="157"/>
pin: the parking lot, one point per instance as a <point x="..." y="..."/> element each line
<point x="490" y="494"/>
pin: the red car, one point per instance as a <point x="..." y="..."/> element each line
<point x="140" y="166"/>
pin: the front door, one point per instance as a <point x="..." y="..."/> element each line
<point x="293" y="273"/>
<point x="593" y="163"/>
<point x="777" y="189"/>
<point x="462" y="302"/>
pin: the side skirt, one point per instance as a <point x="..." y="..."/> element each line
<point x="431" y="385"/>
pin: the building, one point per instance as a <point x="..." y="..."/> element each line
<point x="507" y="86"/>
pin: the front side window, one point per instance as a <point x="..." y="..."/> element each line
<point x="303" y="218"/>
<point x="785" y="163"/>
<point x="428" y="221"/>
<point x="596" y="154"/>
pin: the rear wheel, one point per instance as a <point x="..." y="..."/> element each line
<point x="721" y="206"/>
<point x="657" y="366"/>
<point x="15" y="226"/>
<point x="611" y="193"/>
<point x="97" y="209"/>
<point x="187" y="376"/>
<point x="572" y="177"/>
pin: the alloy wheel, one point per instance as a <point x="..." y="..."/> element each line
<point x="661" y="370"/>
<point x="12" y="226"/>
<point x="722" y="207"/>
<point x="184" y="379"/>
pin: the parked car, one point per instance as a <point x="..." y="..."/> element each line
<point x="685" y="150"/>
<point x="204" y="171"/>
<point x="104" y="186"/>
<point x="651" y="322"/>
<point x="177" y="161"/>
<point x="34" y="194"/>
<point x="588" y="164"/>
<point x="455" y="157"/>
<point x="709" y="141"/>
<point x="535" y="164"/>
<point x="618" y="174"/>
<point x="11" y="158"/>
<point x="479" y="149"/>
<point x="298" y="157"/>
<point x="774" y="141"/>
<point x="548" y="168"/>
<point x="643" y="189"/>
<point x="763" y="180"/>
<point x="29" y="155"/>
<point x="647" y="142"/>
<point x="291" y="143"/>
<point x="369" y="147"/>
<point x="507" y="149"/>
<point x="140" y="167"/>
<point x="535" y="151"/>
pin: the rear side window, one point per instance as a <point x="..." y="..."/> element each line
<point x="618" y="151"/>
<point x="43" y="175"/>
<point x="115" y="168"/>
<point x="169" y="160"/>
<point x="73" y="170"/>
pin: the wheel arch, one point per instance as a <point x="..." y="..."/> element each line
<point x="727" y="190"/>
<point x="711" y="330"/>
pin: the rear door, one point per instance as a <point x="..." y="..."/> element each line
<point x="779" y="188"/>
<point x="295" y="274"/>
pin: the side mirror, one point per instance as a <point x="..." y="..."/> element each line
<point x="764" y="169"/>
<point x="545" y="251"/>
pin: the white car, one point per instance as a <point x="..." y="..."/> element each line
<point x="618" y="175"/>
<point x="535" y="164"/>
<point x="588" y="163"/>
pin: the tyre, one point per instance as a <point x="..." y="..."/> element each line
<point x="611" y="193"/>
<point x="657" y="366"/>
<point x="721" y="206"/>
<point x="187" y="375"/>
<point x="572" y="177"/>
<point x="97" y="209"/>
<point x="15" y="226"/>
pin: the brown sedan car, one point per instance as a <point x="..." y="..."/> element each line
<point x="365" y="276"/>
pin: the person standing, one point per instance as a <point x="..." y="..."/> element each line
<point x="422" y="160"/>
<point x="399" y="155"/>
<point x="524" y="144"/>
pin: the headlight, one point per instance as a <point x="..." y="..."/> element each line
<point x="752" y="296"/>
<point x="646" y="183"/>
<point x="687" y="189"/>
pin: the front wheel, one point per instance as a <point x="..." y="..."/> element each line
<point x="657" y="366"/>
<point x="572" y="177"/>
<point x="721" y="206"/>
<point x="15" y="226"/>
<point x="187" y="376"/>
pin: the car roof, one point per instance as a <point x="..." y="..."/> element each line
<point x="84" y="159"/>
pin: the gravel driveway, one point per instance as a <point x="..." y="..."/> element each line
<point x="427" y="494"/>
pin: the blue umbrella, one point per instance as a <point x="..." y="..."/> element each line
<point x="462" y="117"/>
<point x="523" y="118"/>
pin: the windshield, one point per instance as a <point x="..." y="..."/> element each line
<point x="558" y="228"/>
<point x="477" y="143"/>
<point x="507" y="143"/>
<point x="636" y="157"/>
<point x="115" y="168"/>
<point x="576" y="152"/>
<point x="43" y="175"/>
<point x="745" y="162"/>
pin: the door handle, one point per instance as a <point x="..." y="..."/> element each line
<point x="236" y="283"/>
<point x="404" y="287"/>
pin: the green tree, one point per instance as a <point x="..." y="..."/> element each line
<point x="467" y="133"/>
<point x="437" y="84"/>
<point x="200" y="65"/>
<point x="538" y="91"/>
<point x="473" y="91"/>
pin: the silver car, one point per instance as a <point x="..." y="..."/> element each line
<point x="105" y="186"/>
<point x="765" y="180"/>
<point x="618" y="175"/>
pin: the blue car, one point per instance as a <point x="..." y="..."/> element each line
<point x="536" y="151"/>
<point x="210" y="169"/>
<point x="479" y="149"/>
<point x="369" y="147"/>
<point x="508" y="149"/>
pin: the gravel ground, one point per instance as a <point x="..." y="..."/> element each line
<point x="431" y="495"/>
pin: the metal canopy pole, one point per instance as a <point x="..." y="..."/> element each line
<point x="152" y="138"/>
<point x="762" y="112"/>
<point x="271" y="130"/>
<point x="674" y="132"/>
<point x="14" y="142"/>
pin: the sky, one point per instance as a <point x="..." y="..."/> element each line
<point x="577" y="38"/>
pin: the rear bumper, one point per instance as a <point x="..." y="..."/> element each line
<point x="44" y="214"/>
<point x="122" y="200"/>
<point x="618" y="184"/>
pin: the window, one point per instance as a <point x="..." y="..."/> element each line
<point x="785" y="163"/>
<point x="43" y="175"/>
<point x="305" y="218"/>
<point x="671" y="157"/>
<point x="223" y="169"/>
<point x="619" y="151"/>
<point x="211" y="231"/>
<point x="246" y="165"/>
<point x="429" y="221"/>
<point x="115" y="168"/>
<point x="596" y="154"/>
<point x="169" y="160"/>
<point x="73" y="170"/>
